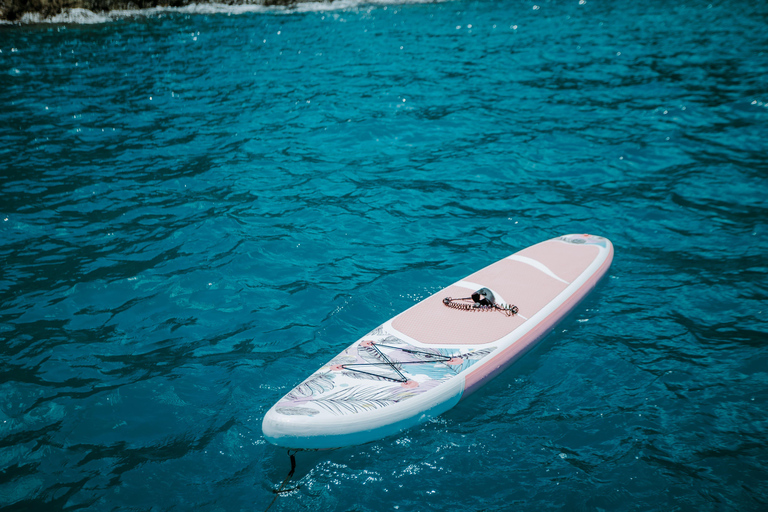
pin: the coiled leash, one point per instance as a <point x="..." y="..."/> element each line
<point x="280" y="489"/>
<point x="482" y="300"/>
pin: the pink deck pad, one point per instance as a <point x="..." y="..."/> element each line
<point x="566" y="260"/>
<point x="432" y="323"/>
<point x="527" y="288"/>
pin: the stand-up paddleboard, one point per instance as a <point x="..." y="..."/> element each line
<point x="422" y="362"/>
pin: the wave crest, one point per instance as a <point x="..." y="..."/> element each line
<point x="82" y="16"/>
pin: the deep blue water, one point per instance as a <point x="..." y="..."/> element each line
<point x="197" y="210"/>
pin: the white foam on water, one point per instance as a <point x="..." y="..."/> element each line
<point x="86" y="17"/>
<point x="75" y="16"/>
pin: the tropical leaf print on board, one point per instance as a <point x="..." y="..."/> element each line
<point x="315" y="385"/>
<point x="355" y="399"/>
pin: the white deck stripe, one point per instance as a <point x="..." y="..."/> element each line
<point x="537" y="265"/>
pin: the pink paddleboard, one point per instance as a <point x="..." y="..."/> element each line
<point x="423" y="361"/>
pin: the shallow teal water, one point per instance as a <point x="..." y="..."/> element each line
<point x="197" y="210"/>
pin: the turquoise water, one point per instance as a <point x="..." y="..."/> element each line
<point x="198" y="209"/>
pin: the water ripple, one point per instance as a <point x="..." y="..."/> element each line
<point x="202" y="205"/>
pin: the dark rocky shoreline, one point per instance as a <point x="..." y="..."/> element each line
<point x="13" y="10"/>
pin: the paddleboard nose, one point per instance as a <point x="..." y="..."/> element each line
<point x="284" y="429"/>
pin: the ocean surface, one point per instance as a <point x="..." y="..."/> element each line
<point x="201" y="206"/>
